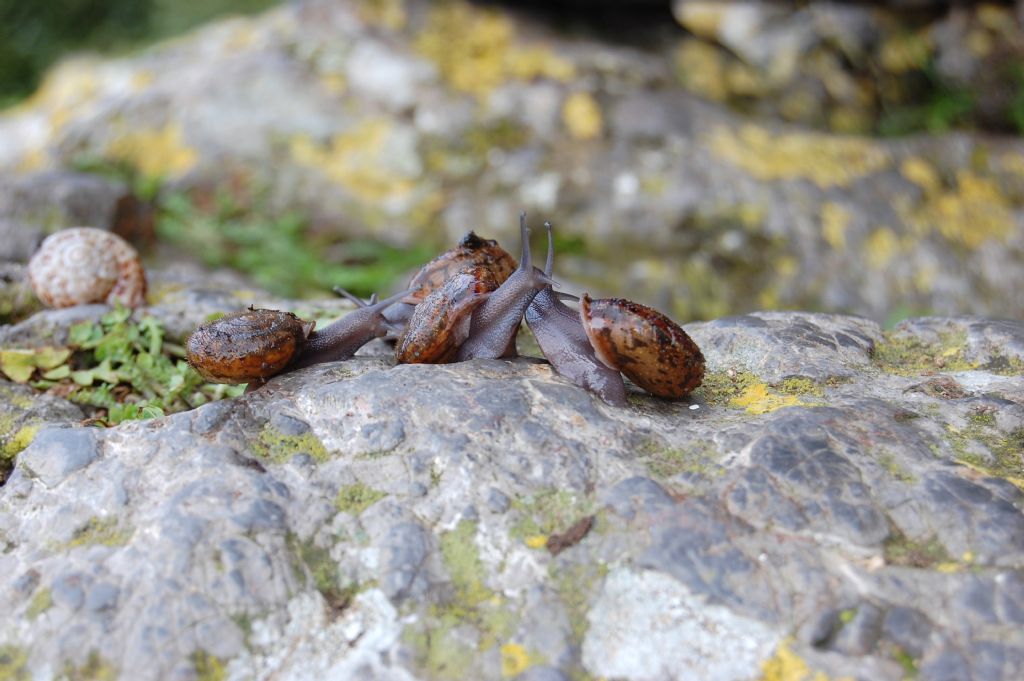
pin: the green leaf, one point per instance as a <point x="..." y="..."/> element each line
<point x="48" y="358"/>
<point x="83" y="377"/>
<point x="63" y="371"/>
<point x="18" y="364"/>
<point x="104" y="373"/>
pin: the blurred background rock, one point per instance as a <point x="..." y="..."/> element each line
<point x="708" y="158"/>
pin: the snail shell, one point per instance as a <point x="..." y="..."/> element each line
<point x="471" y="251"/>
<point x="87" y="265"/>
<point x="440" y="324"/>
<point x="247" y="346"/>
<point x="645" y="345"/>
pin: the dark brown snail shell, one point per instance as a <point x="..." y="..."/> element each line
<point x="472" y="251"/>
<point x="247" y="346"/>
<point x="440" y="324"/>
<point x="645" y="345"/>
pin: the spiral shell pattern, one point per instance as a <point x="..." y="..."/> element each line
<point x="87" y="265"/>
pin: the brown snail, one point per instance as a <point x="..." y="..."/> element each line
<point x="254" y="345"/>
<point x="440" y="323"/>
<point x="645" y="345"/>
<point x="613" y="335"/>
<point x="247" y="346"/>
<point x="471" y="251"/>
<point x="473" y="315"/>
<point x="87" y="265"/>
<point x="565" y="343"/>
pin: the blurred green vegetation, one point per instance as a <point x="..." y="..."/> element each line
<point x="33" y="35"/>
<point x="281" y="252"/>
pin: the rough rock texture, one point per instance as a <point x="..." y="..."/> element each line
<point x="825" y="503"/>
<point x="406" y="119"/>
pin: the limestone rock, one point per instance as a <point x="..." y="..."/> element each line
<point x="367" y="520"/>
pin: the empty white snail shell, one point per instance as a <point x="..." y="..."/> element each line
<point x="87" y="265"/>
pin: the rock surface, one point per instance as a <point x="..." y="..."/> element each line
<point x="824" y="503"/>
<point x="411" y="120"/>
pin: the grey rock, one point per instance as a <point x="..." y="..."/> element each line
<point x="35" y="204"/>
<point x="638" y="494"/>
<point x="775" y="345"/>
<point x="851" y="525"/>
<point x="543" y="674"/>
<point x="56" y="453"/>
<point x="860" y="635"/>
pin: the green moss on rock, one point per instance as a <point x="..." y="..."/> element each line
<point x="910" y="356"/>
<point x="100" y="532"/>
<point x="95" y="669"/>
<point x="665" y="462"/>
<point x="42" y="600"/>
<point x="13" y="663"/>
<point x="208" y="667"/>
<point x="903" y="551"/>
<point x="356" y="498"/>
<point x="276" y="447"/>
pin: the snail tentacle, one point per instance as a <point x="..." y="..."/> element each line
<point x="494" y="324"/>
<point x="564" y="342"/>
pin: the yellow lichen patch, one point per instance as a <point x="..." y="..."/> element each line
<point x="67" y="85"/>
<point x="701" y="69"/>
<point x="825" y="160"/>
<point x="475" y="50"/>
<point x="514" y="660"/>
<point x="359" y="160"/>
<point x="757" y="399"/>
<point x="921" y="173"/>
<point x="785" y="665"/>
<point x="973" y="212"/>
<point x="881" y="246"/>
<point x="536" y="541"/>
<point x="701" y="18"/>
<point x="389" y="14"/>
<point x="156" y="152"/>
<point x="834" y="221"/>
<point x="581" y="115"/>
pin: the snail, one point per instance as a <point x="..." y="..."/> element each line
<point x="645" y="345"/>
<point x="612" y="335"/>
<point x="565" y="343"/>
<point x="493" y="328"/>
<point x="242" y="347"/>
<point x="472" y="315"/>
<point x="440" y="324"/>
<point x="256" y="344"/>
<point x="471" y="251"/>
<point x="87" y="265"/>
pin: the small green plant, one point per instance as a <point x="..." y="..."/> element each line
<point x="120" y="366"/>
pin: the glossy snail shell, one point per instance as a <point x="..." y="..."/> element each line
<point x="440" y="324"/>
<point x="87" y="265"/>
<point x="471" y="251"/>
<point x="247" y="346"/>
<point x="645" y="345"/>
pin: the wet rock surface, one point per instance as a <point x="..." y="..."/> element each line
<point x="368" y="520"/>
